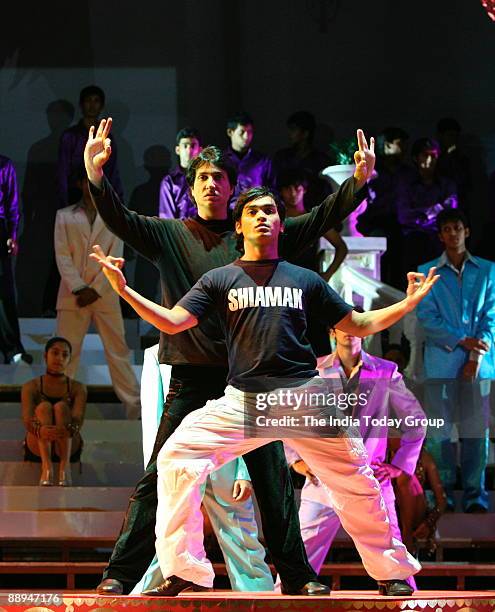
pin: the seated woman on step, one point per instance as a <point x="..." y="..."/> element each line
<point x="53" y="409"/>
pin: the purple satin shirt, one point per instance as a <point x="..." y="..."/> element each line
<point x="387" y="397"/>
<point x="9" y="201"/>
<point x="253" y="170"/>
<point x="419" y="204"/>
<point x="71" y="158"/>
<point x="175" y="196"/>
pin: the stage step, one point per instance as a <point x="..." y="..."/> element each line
<point x="69" y="569"/>
<point x="95" y="474"/>
<point x="336" y="571"/>
<point x="92" y="352"/>
<point x="33" y="527"/>
<point x="94" y="451"/>
<point x="33" y="498"/>
<point x="460" y="571"/>
<point x="89" y="357"/>
<point x="44" y="327"/>
<point x="13" y="376"/>
<point x="96" y="411"/>
<point x="92" y="429"/>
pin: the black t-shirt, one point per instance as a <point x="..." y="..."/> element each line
<point x="264" y="308"/>
<point x="183" y="250"/>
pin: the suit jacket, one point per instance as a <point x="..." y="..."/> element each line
<point x="74" y="237"/>
<point x="387" y="396"/>
<point x="455" y="309"/>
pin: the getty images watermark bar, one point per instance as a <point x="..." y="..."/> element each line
<point x="328" y="407"/>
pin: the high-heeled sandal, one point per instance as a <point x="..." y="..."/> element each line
<point x="46" y="478"/>
<point x="64" y="479"/>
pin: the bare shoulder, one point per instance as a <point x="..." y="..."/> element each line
<point x="79" y="388"/>
<point x="30" y="386"/>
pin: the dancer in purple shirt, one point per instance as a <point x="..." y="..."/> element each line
<point x="175" y="193"/>
<point x="73" y="141"/>
<point x="10" y="337"/>
<point x="420" y="199"/>
<point x="253" y="168"/>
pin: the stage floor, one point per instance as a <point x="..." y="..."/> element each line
<point x="228" y="601"/>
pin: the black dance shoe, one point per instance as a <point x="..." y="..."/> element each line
<point x="394" y="588"/>
<point x="110" y="586"/>
<point x="310" y="589"/>
<point x="173" y="586"/>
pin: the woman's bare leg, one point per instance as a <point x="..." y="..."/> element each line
<point x="64" y="445"/>
<point x="39" y="446"/>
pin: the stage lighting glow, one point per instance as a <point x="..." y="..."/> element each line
<point x="490" y="8"/>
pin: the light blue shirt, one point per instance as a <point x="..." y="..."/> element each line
<point x="461" y="304"/>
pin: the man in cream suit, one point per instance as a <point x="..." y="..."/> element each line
<point x="84" y="295"/>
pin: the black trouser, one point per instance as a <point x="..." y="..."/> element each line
<point x="190" y="388"/>
<point x="10" y="337"/>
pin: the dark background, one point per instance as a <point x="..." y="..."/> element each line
<point x="352" y="63"/>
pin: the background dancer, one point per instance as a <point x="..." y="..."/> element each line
<point x="358" y="371"/>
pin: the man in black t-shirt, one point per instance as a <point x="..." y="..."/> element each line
<point x="183" y="250"/>
<point x="264" y="304"/>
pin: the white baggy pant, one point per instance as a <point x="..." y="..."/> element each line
<point x="214" y="435"/>
<point x="74" y="325"/>
<point x="320" y="524"/>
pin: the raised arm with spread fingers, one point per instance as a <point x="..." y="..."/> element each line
<point x="169" y="321"/>
<point x="97" y="151"/>
<point x="363" y="324"/>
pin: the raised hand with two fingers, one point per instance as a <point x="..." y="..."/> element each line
<point x="364" y="159"/>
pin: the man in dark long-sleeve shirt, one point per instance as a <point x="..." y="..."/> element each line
<point x="183" y="251"/>
<point x="301" y="155"/>
<point x="10" y="337"/>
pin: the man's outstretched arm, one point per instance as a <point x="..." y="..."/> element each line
<point x="363" y="324"/>
<point x="171" y="321"/>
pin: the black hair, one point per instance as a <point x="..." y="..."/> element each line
<point x="304" y="120"/>
<point x="211" y="155"/>
<point x="92" y="90"/>
<point x="292" y="177"/>
<point x="255" y="193"/>
<point x="449" y="215"/>
<point x="241" y="118"/>
<point x="394" y="133"/>
<point x="187" y="132"/>
<point x="403" y="349"/>
<point x="448" y="124"/>
<point x="424" y="144"/>
<point x="56" y="339"/>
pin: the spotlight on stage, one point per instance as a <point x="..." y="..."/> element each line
<point x="490" y="8"/>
